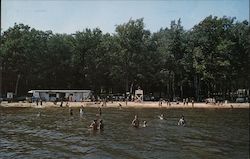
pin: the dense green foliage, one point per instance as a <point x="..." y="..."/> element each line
<point x="212" y="57"/>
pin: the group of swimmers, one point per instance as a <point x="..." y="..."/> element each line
<point x="136" y="123"/>
<point x="98" y="124"/>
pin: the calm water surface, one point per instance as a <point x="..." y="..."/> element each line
<point x="210" y="133"/>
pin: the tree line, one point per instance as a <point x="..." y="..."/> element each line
<point x="210" y="59"/>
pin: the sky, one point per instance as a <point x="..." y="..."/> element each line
<point x="69" y="16"/>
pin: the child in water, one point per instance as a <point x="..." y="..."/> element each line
<point x="135" y="122"/>
<point x="182" y="121"/>
<point x="81" y="110"/>
<point x="161" y="116"/>
<point x="94" y="125"/>
<point x="101" y="125"/>
<point x="71" y="111"/>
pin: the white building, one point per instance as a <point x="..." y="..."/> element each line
<point x="52" y="95"/>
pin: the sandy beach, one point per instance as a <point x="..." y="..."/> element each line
<point x="173" y="105"/>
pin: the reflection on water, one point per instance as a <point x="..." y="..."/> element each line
<point x="53" y="133"/>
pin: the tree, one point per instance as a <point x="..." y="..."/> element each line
<point x="212" y="57"/>
<point x="132" y="37"/>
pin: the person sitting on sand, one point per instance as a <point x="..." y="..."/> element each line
<point x="101" y="125"/>
<point x="182" y="121"/>
<point x="94" y="125"/>
<point x="135" y="122"/>
<point x="144" y="124"/>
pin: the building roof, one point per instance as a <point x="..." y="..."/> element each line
<point x="60" y="91"/>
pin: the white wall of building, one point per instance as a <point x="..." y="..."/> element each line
<point x="52" y="95"/>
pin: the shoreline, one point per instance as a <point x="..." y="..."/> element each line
<point x="116" y="104"/>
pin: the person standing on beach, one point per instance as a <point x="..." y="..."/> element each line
<point x="135" y="122"/>
<point x="105" y="102"/>
<point x="160" y="103"/>
<point x="120" y="105"/>
<point x="61" y="102"/>
<point x="192" y="103"/>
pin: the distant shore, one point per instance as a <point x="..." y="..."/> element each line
<point x="123" y="104"/>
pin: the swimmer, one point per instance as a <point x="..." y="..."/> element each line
<point x="39" y="114"/>
<point x="182" y="121"/>
<point x="71" y="111"/>
<point x="101" y="125"/>
<point x="135" y="122"/>
<point x="94" y="125"/>
<point x="144" y="124"/>
<point x="81" y="110"/>
<point x="161" y="117"/>
<point x="100" y="111"/>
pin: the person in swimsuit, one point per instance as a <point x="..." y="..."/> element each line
<point x="81" y="110"/>
<point x="94" y="125"/>
<point x="135" y="122"/>
<point x="182" y="121"/>
<point x="144" y="124"/>
<point x="101" y="125"/>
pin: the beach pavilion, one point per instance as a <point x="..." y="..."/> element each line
<point x="53" y="95"/>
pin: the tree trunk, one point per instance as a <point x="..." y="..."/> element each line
<point x="1" y="77"/>
<point x="181" y="88"/>
<point x="167" y="88"/>
<point x="199" y="88"/>
<point x="131" y="88"/>
<point x="126" y="84"/>
<point x="173" y="85"/>
<point x="17" y="83"/>
<point x="197" y="85"/>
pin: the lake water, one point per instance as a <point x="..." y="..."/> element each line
<point x="210" y="133"/>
